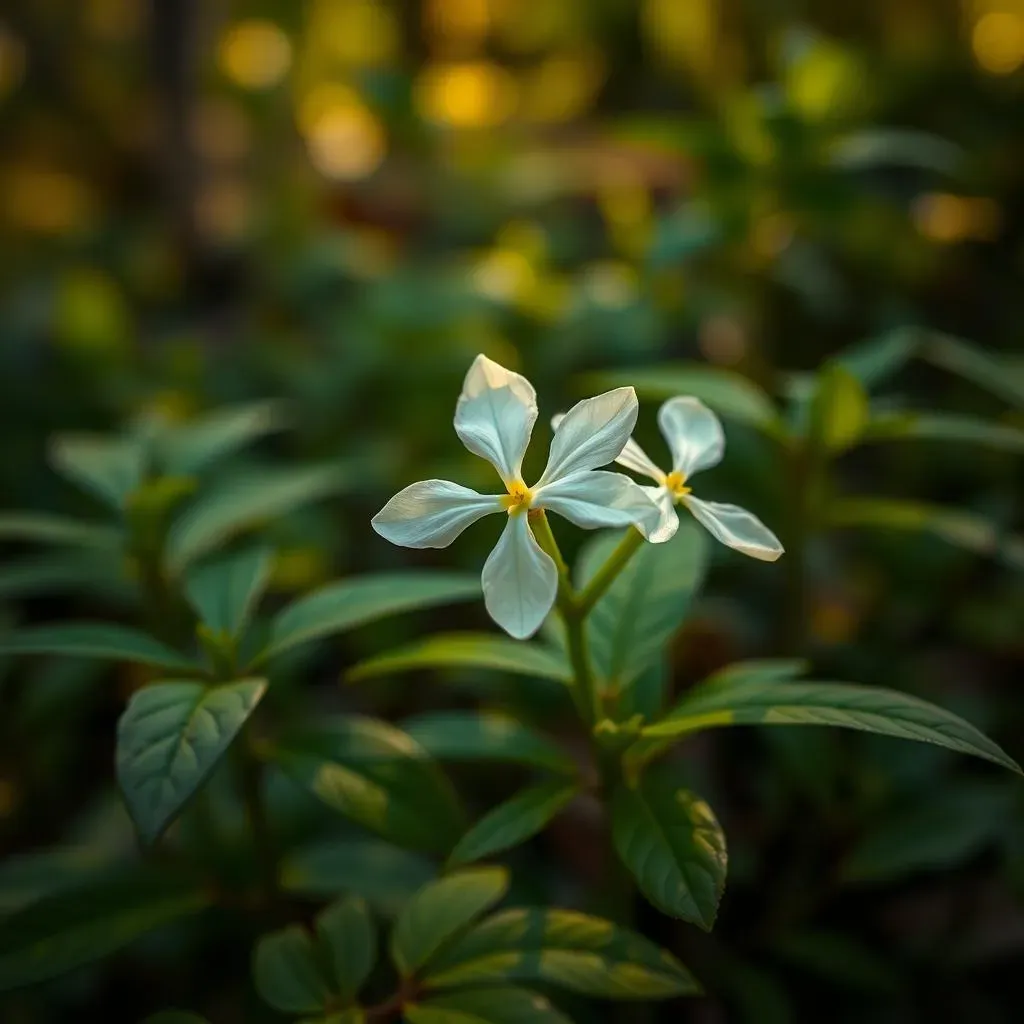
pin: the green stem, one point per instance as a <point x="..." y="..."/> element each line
<point x="584" y="690"/>
<point x="630" y="544"/>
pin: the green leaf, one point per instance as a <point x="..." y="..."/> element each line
<point x="109" y="467"/>
<point x="66" y="572"/>
<point x="485" y="736"/>
<point x="641" y="611"/>
<point x="877" y="359"/>
<point x="683" y="234"/>
<point x="192" y="447"/>
<point x="225" y="592"/>
<point x="382" y="874"/>
<point x="935" y="832"/>
<point x="245" y="501"/>
<point x="348" y="935"/>
<point x="964" y="529"/>
<point x="170" y="738"/>
<point x="513" y="822"/>
<point x="729" y="393"/>
<point x="974" y="364"/>
<point x="441" y="911"/>
<point x="561" y="947"/>
<point x="95" y="640"/>
<point x="377" y="776"/>
<point x="287" y="972"/>
<point x="468" y="650"/>
<point x="504" y="1005"/>
<point x="88" y="922"/>
<point x="839" y="410"/>
<point x="933" y="426"/>
<point x="672" y="844"/>
<point x="43" y="528"/>
<point x="837" y="958"/>
<point x="866" y="708"/>
<point x="355" y="602"/>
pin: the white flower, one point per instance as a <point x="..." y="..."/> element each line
<point x="494" y="418"/>
<point x="696" y="441"/>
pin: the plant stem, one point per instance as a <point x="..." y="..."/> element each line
<point x="584" y="690"/>
<point x="630" y="544"/>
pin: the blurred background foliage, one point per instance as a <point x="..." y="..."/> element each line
<point x="338" y="203"/>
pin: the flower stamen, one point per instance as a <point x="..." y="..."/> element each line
<point x="518" y="499"/>
<point x="675" y="482"/>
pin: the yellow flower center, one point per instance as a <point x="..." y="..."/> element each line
<point x="676" y="484"/>
<point x="518" y="499"/>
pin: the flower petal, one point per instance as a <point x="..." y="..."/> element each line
<point x="694" y="434"/>
<point x="596" y="498"/>
<point x="635" y="458"/>
<point x="592" y="433"/>
<point x="736" y="527"/>
<point x="495" y="414"/>
<point x="669" y="521"/>
<point x="519" y="580"/>
<point x="432" y="513"/>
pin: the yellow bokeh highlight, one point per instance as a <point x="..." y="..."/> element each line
<point x="346" y="141"/>
<point x="610" y="284"/>
<point x="472" y="94"/>
<point x="625" y="204"/>
<point x="503" y="275"/>
<point x="90" y="314"/>
<point x="255" y="54"/>
<point x="998" y="42"/>
<point x="947" y="219"/>
<point x="456" y="26"/>
<point x="826" y="81"/>
<point x="46" y="201"/>
<point x="562" y="87"/>
<point x="348" y="34"/>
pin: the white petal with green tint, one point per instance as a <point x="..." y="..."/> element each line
<point x="432" y="513"/>
<point x="694" y="434"/>
<point x="519" y="580"/>
<point x="668" y="517"/>
<point x="736" y="528"/>
<point x="592" y="434"/>
<point x="495" y="415"/>
<point x="595" y="499"/>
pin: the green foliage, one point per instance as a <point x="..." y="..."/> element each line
<point x="224" y="593"/>
<point x="347" y="932"/>
<point x="513" y="822"/>
<point x="377" y="776"/>
<point x="169" y="739"/>
<point x="499" y="1005"/>
<point x="672" y="843"/>
<point x="88" y="922"/>
<point x="839" y="411"/>
<point x="440" y="911"/>
<point x="110" y="468"/>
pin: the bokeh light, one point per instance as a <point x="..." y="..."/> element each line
<point x="998" y="42"/>
<point x="255" y="54"/>
<point x="473" y="94"/>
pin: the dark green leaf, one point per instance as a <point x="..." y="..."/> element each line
<point x="348" y="935"/>
<point x="354" y="602"/>
<point x="46" y="529"/>
<point x="379" y="777"/>
<point x="485" y="736"/>
<point x="730" y="394"/>
<point x="442" y="910"/>
<point x="866" y="708"/>
<point x="683" y="234"/>
<point x="468" y="650"/>
<point x="192" y="447"/>
<point x="837" y="958"/>
<point x="110" y="467"/>
<point x="630" y="626"/>
<point x="672" y="843"/>
<point x="513" y="822"/>
<point x="974" y="364"/>
<point x="170" y="738"/>
<point x="89" y="573"/>
<point x="382" y="874"/>
<point x="877" y="359"/>
<point x="503" y="1005"/>
<point x="287" y="971"/>
<point x="95" y="640"/>
<point x="561" y="947"/>
<point x="839" y="409"/>
<point x="243" y="502"/>
<point x="88" y="922"/>
<point x="933" y="426"/>
<point x="225" y="592"/>
<point x="964" y="529"/>
<point x="935" y="832"/>
<point x="870" y="149"/>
